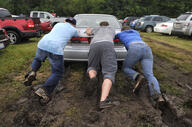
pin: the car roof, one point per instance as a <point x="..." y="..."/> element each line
<point x="95" y="14"/>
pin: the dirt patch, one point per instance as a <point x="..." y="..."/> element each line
<point x="69" y="107"/>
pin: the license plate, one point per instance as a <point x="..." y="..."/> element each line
<point x="177" y="25"/>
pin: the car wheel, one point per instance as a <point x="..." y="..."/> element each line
<point x="13" y="36"/>
<point x="149" y="29"/>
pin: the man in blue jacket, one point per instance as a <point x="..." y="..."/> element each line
<point x="51" y="46"/>
<point x="138" y="50"/>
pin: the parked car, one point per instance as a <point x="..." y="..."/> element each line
<point x="4" y="40"/>
<point x="19" y="27"/>
<point x="77" y="49"/>
<point x="147" y="23"/>
<point x="127" y="20"/>
<point x="46" y="16"/>
<point x="183" y="24"/>
<point x="164" y="27"/>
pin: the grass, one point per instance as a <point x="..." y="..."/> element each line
<point x="15" y="61"/>
<point x="183" y="60"/>
<point x="170" y="89"/>
<point x="184" y="43"/>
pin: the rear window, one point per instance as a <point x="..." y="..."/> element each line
<point x="35" y="15"/>
<point x="183" y="17"/>
<point x="94" y="21"/>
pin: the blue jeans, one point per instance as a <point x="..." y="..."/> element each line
<point x="57" y="68"/>
<point x="141" y="52"/>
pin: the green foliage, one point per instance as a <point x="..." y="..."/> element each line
<point x="119" y="8"/>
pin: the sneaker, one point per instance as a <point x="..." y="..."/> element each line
<point x="108" y="103"/>
<point x="157" y="101"/>
<point x="91" y="87"/>
<point x="161" y="102"/>
<point x="139" y="80"/>
<point x="43" y="95"/>
<point x="29" y="78"/>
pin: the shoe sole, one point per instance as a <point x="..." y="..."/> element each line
<point x="138" y="86"/>
<point x="106" y="106"/>
<point x="29" y="80"/>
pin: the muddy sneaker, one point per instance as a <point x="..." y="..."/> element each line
<point x="44" y="98"/>
<point x="139" y="80"/>
<point x="160" y="102"/>
<point x="108" y="103"/>
<point x="157" y="101"/>
<point x="29" y="78"/>
<point x="91" y="87"/>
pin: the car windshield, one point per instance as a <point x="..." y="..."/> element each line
<point x="94" y="21"/>
<point x="183" y="17"/>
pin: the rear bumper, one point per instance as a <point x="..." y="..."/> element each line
<point x="31" y="34"/>
<point x="183" y="31"/>
<point x="77" y="54"/>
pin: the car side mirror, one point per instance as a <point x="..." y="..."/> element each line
<point x="48" y="17"/>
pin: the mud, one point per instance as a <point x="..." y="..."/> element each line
<point x="70" y="108"/>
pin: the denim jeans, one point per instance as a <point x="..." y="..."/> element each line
<point x="57" y="67"/>
<point x="140" y="52"/>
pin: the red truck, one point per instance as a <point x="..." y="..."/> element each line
<point x="19" y="28"/>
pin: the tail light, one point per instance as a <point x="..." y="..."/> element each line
<point x="187" y="24"/>
<point x="30" y="25"/>
<point x="163" y="25"/>
<point x="81" y="39"/>
<point x="116" y="40"/>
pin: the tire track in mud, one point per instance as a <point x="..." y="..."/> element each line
<point x="168" y="45"/>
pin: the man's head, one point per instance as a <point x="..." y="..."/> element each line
<point x="104" y="23"/>
<point x="71" y="20"/>
<point x="125" y="28"/>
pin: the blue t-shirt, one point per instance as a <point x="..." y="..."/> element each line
<point x="128" y="36"/>
<point x="57" y="38"/>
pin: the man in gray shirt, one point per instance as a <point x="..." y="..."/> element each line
<point x="102" y="54"/>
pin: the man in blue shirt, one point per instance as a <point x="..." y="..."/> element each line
<point x="138" y="50"/>
<point x="51" y="46"/>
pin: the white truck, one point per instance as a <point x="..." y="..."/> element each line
<point x="46" y="16"/>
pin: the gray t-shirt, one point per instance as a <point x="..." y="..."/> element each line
<point x="103" y="34"/>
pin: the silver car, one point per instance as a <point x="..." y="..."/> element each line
<point x="183" y="24"/>
<point x="77" y="49"/>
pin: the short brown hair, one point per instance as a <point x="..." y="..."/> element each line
<point x="125" y="28"/>
<point x="104" y="23"/>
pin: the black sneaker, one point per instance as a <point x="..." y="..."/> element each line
<point x="108" y="103"/>
<point x="91" y="86"/>
<point x="139" y="81"/>
<point x="29" y="78"/>
<point x="44" y="98"/>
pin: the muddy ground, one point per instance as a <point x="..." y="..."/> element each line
<point x="69" y="107"/>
